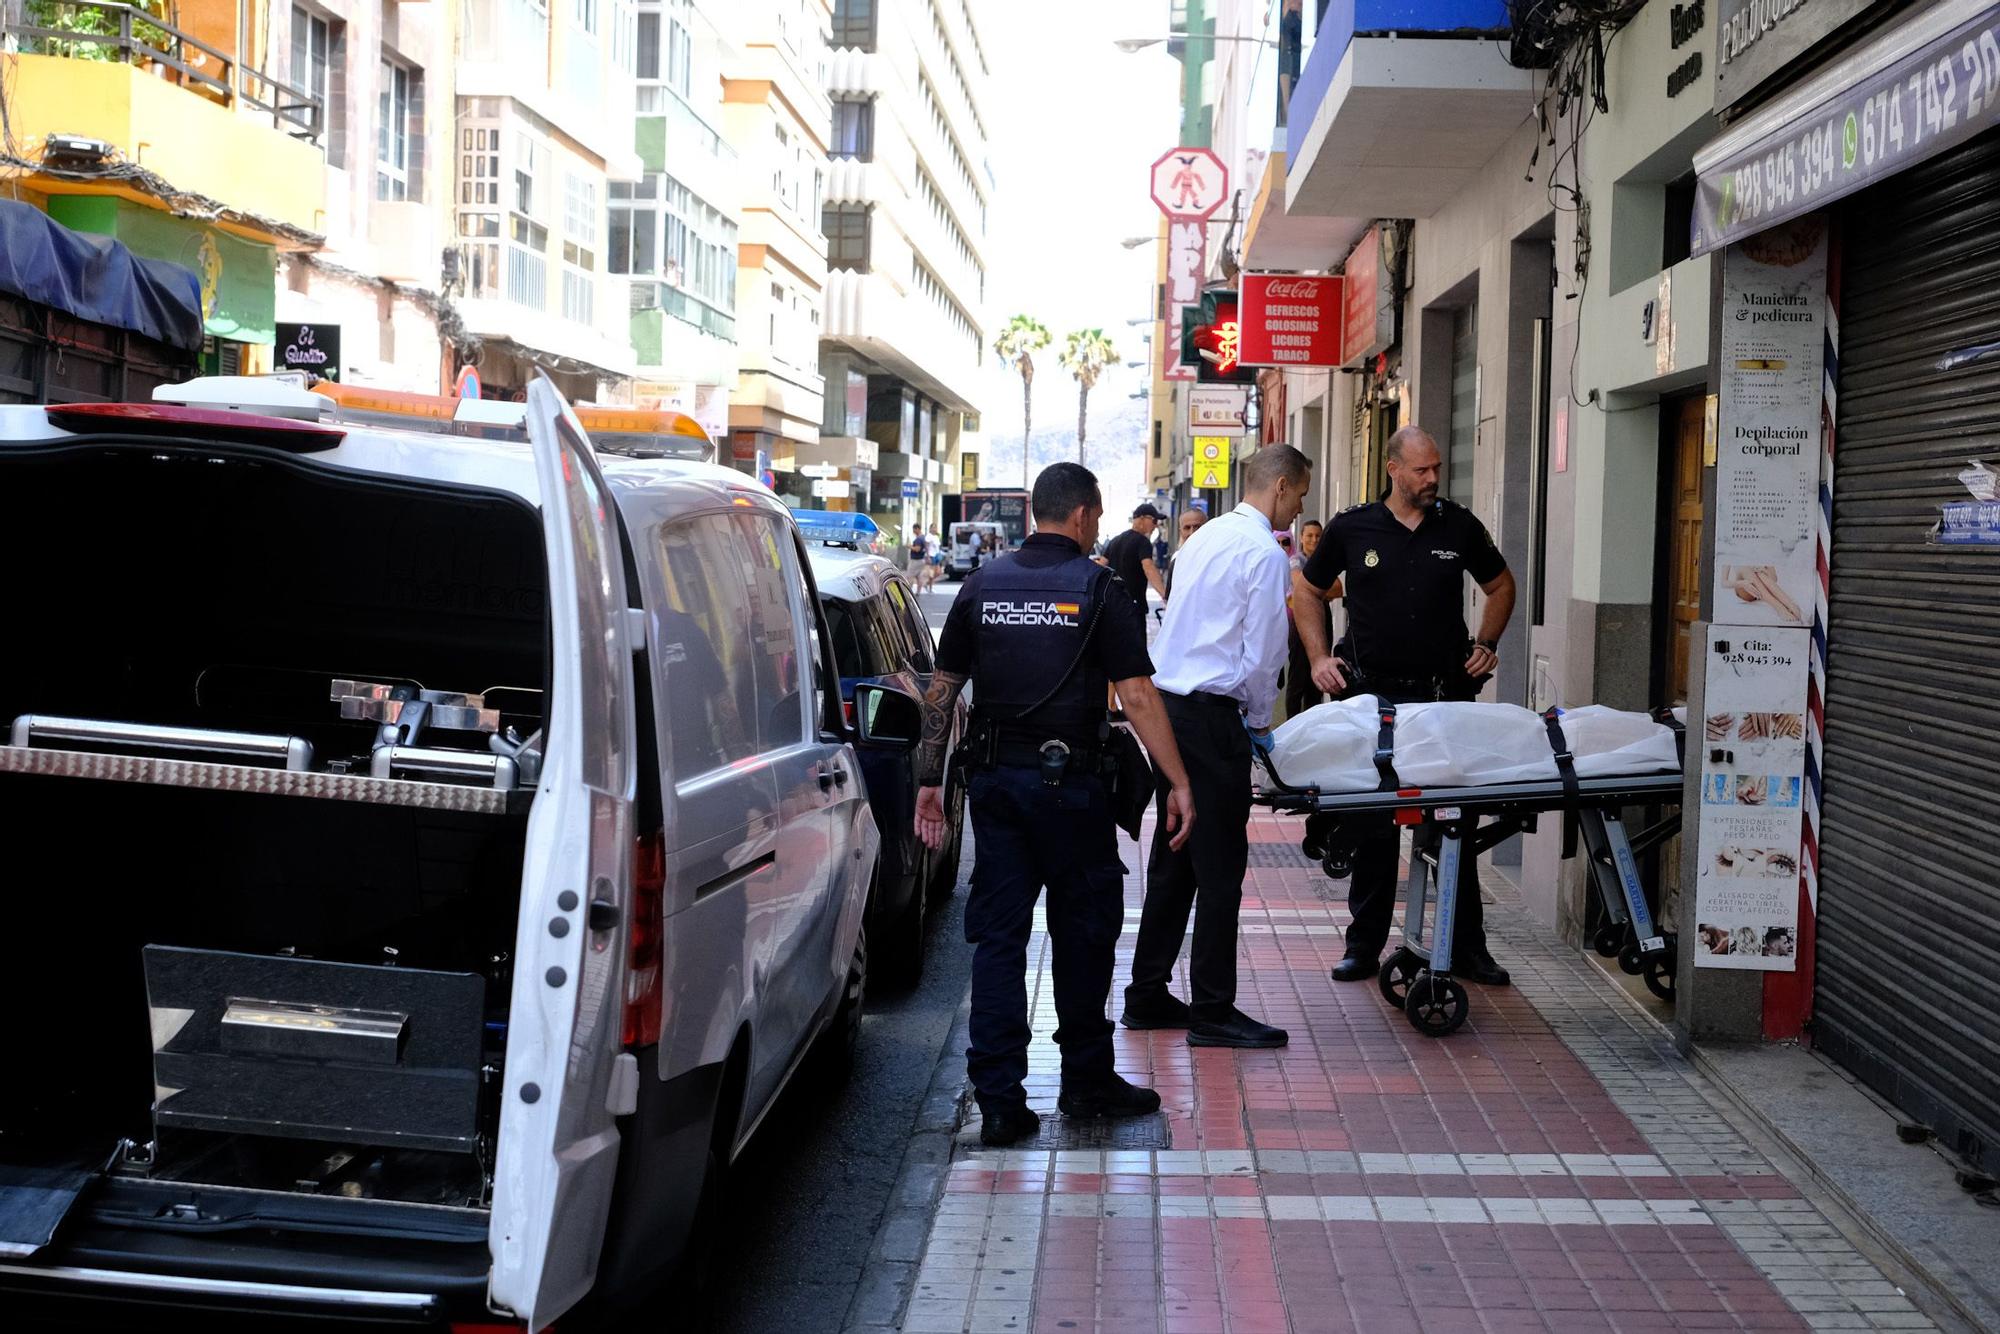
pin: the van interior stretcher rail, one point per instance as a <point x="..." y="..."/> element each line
<point x="1416" y="977"/>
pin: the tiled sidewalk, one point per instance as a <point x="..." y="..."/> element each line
<point x="1552" y="1166"/>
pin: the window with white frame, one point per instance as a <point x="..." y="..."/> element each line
<point x="479" y="205"/>
<point x="398" y="112"/>
<point x="579" y="279"/>
<point x="586" y="15"/>
<point x="316" y="54"/>
<point x="528" y="234"/>
<point x="680" y="50"/>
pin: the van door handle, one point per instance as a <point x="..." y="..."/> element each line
<point x="826" y="779"/>
<point x="840" y="775"/>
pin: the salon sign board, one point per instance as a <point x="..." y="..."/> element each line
<point x="1768" y="441"/>
<point x="1753" y="745"/>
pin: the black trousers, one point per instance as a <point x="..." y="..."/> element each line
<point x="1206" y="875"/>
<point x="1371" y="892"/>
<point x="1028" y="835"/>
<point x="1300" y="692"/>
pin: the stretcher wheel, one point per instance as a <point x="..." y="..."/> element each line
<point x="1398" y="971"/>
<point x="1437" y="1005"/>
<point x="1337" y="865"/>
<point x="1662" y="968"/>
<point x="1609" y="940"/>
<point x="1630" y="961"/>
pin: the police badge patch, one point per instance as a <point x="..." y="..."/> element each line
<point x="1371" y="560"/>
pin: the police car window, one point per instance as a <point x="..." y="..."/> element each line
<point x="892" y="651"/>
<point x="840" y="621"/>
<point x="913" y="625"/>
<point x="778" y="660"/>
<point x="706" y="647"/>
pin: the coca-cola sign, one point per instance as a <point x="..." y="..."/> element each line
<point x="1290" y="320"/>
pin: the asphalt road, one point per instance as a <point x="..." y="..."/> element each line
<point x="812" y="1188"/>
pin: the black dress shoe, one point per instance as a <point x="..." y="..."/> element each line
<point x="1356" y="968"/>
<point x="1161" y="1011"/>
<point x="1007" y="1123"/>
<point x="1112" y="1097"/>
<point x="1488" y="973"/>
<point x="1237" y="1030"/>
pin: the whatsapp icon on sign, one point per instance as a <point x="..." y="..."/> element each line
<point x="1850" y="140"/>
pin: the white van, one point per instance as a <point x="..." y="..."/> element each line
<point x="971" y="545"/>
<point x="429" y="854"/>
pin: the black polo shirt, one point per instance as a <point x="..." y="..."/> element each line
<point x="1128" y="553"/>
<point x="1117" y="650"/>
<point x="1405" y="587"/>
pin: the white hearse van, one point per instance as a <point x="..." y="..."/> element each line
<point x="429" y="852"/>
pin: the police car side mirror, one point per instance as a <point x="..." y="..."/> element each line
<point x="886" y="719"/>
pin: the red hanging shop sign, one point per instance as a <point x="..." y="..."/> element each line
<point x="1290" y="320"/>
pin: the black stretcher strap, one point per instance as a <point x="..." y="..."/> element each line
<point x="1665" y="717"/>
<point x="1565" y="770"/>
<point x="1385" y="749"/>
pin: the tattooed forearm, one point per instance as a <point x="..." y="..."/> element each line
<point x="939" y="696"/>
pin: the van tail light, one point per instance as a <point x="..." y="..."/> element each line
<point x="645" y="942"/>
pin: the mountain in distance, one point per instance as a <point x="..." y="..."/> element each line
<point x="1116" y="450"/>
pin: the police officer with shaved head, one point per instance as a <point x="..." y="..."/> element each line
<point x="1401" y="564"/>
<point x="1039" y="634"/>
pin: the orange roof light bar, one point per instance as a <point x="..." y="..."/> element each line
<point x="444" y="408"/>
<point x="401" y="402"/>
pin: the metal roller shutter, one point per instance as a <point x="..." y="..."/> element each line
<point x="1908" y="988"/>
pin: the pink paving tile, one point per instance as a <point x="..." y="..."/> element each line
<point x="1357" y="1077"/>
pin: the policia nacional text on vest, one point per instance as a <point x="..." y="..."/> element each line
<point x="1032" y="701"/>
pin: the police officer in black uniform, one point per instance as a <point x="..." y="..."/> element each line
<point x="1040" y="633"/>
<point x="1403" y="561"/>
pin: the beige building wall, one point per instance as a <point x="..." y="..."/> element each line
<point x="776" y="116"/>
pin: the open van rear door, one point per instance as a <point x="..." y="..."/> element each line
<point x="558" y="1148"/>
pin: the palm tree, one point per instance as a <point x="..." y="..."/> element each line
<point x="1085" y="355"/>
<point x="1018" y="342"/>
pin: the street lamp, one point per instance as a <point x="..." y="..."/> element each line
<point x="1131" y="44"/>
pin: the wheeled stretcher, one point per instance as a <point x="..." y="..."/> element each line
<point x="1468" y="820"/>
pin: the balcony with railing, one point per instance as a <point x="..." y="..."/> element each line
<point x="128" y="77"/>
<point x="1398" y="104"/>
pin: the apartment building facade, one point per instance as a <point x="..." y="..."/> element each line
<point x="545" y="93"/>
<point x="213" y="164"/>
<point x="905" y="215"/>
<point x="675" y="231"/>
<point x="776" y="118"/>
<point x="367" y="308"/>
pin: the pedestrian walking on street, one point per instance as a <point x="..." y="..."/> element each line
<point x="1039" y="634"/>
<point x="1404" y="560"/>
<point x="1220" y="650"/>
<point x="1130" y="555"/>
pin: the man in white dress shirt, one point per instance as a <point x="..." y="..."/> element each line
<point x="1217" y="657"/>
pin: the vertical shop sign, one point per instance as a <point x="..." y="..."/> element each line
<point x="1366" y="304"/>
<point x="1767" y="455"/>
<point x="1752" y="791"/>
<point x="1187" y="258"/>
<point x="1188" y="185"/>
